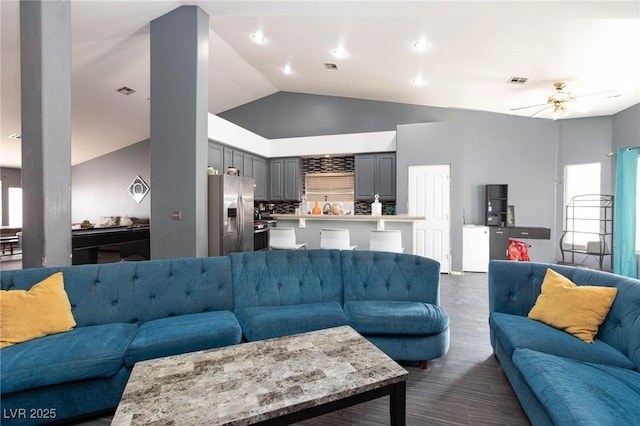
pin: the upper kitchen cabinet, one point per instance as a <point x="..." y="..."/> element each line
<point x="247" y="165"/>
<point x="238" y="161"/>
<point x="216" y="157"/>
<point x="285" y="179"/>
<point x="227" y="159"/>
<point x="235" y="158"/>
<point x="222" y="157"/>
<point x="375" y="174"/>
<point x="260" y="178"/>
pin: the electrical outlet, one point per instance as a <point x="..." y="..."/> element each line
<point x="176" y="216"/>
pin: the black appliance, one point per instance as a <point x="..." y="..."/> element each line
<point x="260" y="235"/>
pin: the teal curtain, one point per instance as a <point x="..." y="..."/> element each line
<point x="625" y="215"/>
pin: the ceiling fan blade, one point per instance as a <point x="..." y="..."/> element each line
<point x="603" y="95"/>
<point x="525" y="107"/>
<point x="541" y="110"/>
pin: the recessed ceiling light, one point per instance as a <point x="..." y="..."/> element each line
<point x="418" y="81"/>
<point x="339" y="52"/>
<point x="126" y="90"/>
<point x="258" y="38"/>
<point x="421" y="45"/>
<point x="287" y="69"/>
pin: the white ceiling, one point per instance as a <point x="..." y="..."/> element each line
<point x="475" y="47"/>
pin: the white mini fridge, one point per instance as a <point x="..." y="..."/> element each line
<point x="475" y="248"/>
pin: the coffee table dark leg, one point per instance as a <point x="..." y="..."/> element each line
<point x="397" y="404"/>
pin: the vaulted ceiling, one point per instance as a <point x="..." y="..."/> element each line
<point x="474" y="49"/>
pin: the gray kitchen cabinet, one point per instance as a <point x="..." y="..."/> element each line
<point x="260" y="178"/>
<point x="276" y="179"/>
<point x="221" y="157"/>
<point x="285" y="179"/>
<point x="216" y="157"/>
<point x="364" y="177"/>
<point x="227" y="159"/>
<point x="247" y="165"/>
<point x="375" y="174"/>
<point x="292" y="179"/>
<point x="238" y="161"/>
<point x="386" y="176"/>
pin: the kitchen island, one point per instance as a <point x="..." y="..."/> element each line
<point x="308" y="227"/>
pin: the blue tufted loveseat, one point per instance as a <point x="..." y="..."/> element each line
<point x="558" y="378"/>
<point x="132" y="311"/>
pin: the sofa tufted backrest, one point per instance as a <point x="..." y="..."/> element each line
<point x="137" y="291"/>
<point x="515" y="286"/>
<point x="370" y="275"/>
<point x="286" y="277"/>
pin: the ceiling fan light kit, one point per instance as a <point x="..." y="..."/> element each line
<point x="559" y="101"/>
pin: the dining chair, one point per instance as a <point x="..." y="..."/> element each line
<point x="284" y="239"/>
<point x="331" y="238"/>
<point x="389" y="240"/>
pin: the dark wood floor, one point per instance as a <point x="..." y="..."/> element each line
<point x="464" y="387"/>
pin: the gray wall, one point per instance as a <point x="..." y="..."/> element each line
<point x="99" y="186"/>
<point x="10" y="178"/>
<point x="287" y="114"/>
<point x="484" y="148"/>
<point x="519" y="152"/>
<point x="626" y="128"/>
<point x="584" y="140"/>
<point x="434" y="144"/>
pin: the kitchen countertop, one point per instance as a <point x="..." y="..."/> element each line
<point x="361" y="218"/>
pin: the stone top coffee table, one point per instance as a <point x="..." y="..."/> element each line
<point x="276" y="381"/>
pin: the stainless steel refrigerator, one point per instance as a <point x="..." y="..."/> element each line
<point x="230" y="214"/>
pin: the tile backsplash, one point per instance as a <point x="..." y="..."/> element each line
<point x="328" y="165"/>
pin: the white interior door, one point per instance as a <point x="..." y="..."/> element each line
<point x="429" y="196"/>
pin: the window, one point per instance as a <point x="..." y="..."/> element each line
<point x="581" y="179"/>
<point x="15" y="207"/>
<point x="335" y="186"/>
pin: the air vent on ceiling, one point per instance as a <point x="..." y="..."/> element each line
<point x="126" y="90"/>
<point x="331" y="66"/>
<point x="517" y="80"/>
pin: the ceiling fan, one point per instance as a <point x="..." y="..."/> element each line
<point x="561" y="102"/>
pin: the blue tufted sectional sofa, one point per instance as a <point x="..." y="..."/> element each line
<point x="127" y="312"/>
<point x="558" y="378"/>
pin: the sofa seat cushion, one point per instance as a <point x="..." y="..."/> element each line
<point x="515" y="331"/>
<point x="581" y="393"/>
<point x="379" y="317"/>
<point x="265" y="322"/>
<point x="184" y="333"/>
<point x="82" y="353"/>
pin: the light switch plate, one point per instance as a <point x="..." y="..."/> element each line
<point x="176" y="216"/>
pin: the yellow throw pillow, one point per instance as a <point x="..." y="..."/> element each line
<point x="578" y="310"/>
<point x="43" y="310"/>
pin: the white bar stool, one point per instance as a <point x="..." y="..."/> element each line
<point x="389" y="240"/>
<point x="284" y="239"/>
<point x="331" y="238"/>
